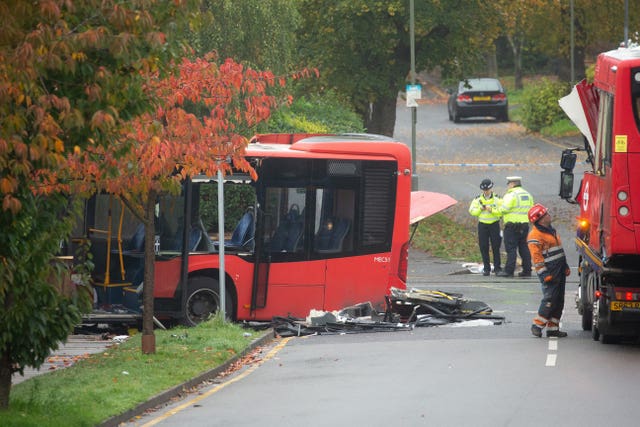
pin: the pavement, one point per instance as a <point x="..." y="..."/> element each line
<point x="76" y="348"/>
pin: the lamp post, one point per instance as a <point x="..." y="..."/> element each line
<point x="414" y="109"/>
<point x="573" y="72"/>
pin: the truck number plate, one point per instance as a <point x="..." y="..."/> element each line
<point x="619" y="305"/>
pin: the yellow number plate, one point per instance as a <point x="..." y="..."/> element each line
<point x="482" y="98"/>
<point x="619" y="305"/>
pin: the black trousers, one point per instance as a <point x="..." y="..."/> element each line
<point x="489" y="235"/>
<point x="515" y="241"/>
<point x="552" y="303"/>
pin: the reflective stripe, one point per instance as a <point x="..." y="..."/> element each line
<point x="540" y="321"/>
<point x="554" y="257"/>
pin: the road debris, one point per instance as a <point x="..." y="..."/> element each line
<point x="406" y="309"/>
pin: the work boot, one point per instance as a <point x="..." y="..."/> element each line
<point x="537" y="331"/>
<point x="504" y="274"/>
<point x="524" y="274"/>
<point x="485" y="273"/>
<point x="559" y="334"/>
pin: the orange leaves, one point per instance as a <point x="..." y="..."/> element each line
<point x="102" y="120"/>
<point x="8" y="184"/>
<point x="10" y="203"/>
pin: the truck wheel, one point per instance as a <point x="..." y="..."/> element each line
<point x="586" y="306"/>
<point x="203" y="300"/>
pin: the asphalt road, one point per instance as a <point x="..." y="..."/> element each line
<point x="454" y="375"/>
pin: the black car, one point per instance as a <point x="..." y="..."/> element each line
<point x="479" y="97"/>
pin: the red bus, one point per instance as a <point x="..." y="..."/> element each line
<point x="326" y="227"/>
<point x="607" y="112"/>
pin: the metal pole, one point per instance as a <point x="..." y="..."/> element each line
<point x="221" y="275"/>
<point x="414" y="110"/>
<point x="573" y="72"/>
<point x="626" y="23"/>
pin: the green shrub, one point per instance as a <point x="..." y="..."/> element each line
<point x="540" y="104"/>
<point x="314" y="114"/>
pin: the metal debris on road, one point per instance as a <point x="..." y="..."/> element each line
<point x="406" y="309"/>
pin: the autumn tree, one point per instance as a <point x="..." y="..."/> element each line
<point x="362" y="47"/>
<point x="71" y="73"/>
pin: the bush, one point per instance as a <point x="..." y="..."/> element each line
<point x="314" y="114"/>
<point x="540" y="104"/>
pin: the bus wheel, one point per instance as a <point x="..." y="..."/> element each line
<point x="202" y="301"/>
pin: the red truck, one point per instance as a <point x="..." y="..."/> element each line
<point x="607" y="112"/>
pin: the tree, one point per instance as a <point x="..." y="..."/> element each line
<point x="362" y="47"/>
<point x="517" y="20"/>
<point x="70" y="73"/>
<point x="258" y="33"/>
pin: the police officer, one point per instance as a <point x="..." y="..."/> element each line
<point x="552" y="269"/>
<point x="486" y="208"/>
<point x="514" y="209"/>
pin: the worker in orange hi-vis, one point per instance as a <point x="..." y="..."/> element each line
<point x="550" y="264"/>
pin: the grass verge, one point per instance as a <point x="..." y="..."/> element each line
<point x="110" y="383"/>
<point x="444" y="238"/>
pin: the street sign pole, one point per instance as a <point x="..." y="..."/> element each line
<point x="414" y="108"/>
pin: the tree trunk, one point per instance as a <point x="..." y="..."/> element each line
<point x="381" y="117"/>
<point x="148" y="337"/>
<point x="5" y="380"/>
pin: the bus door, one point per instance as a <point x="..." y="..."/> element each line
<point x="285" y="280"/>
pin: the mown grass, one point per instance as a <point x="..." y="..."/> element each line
<point x="110" y="383"/>
<point x="444" y="238"/>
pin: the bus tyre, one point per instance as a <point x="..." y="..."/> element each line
<point x="203" y="300"/>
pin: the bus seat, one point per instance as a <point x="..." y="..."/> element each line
<point x="330" y="241"/>
<point x="288" y="235"/>
<point x="243" y="233"/>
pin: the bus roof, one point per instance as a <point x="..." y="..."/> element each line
<point x="328" y="146"/>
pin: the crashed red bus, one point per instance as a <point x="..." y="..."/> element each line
<point x="607" y="112"/>
<point x="326" y="226"/>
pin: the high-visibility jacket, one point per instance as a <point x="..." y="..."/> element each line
<point x="547" y="255"/>
<point x="486" y="216"/>
<point x="515" y="205"/>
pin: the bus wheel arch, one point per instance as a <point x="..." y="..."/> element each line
<point x="203" y="300"/>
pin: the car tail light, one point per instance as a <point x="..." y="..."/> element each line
<point x="499" y="97"/>
<point x="403" y="265"/>
<point x="463" y="98"/>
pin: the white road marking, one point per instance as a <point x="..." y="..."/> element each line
<point x="553" y="344"/>
<point x="551" y="360"/>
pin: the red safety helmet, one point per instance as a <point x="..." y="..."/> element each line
<point x="536" y="212"/>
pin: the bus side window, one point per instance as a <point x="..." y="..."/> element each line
<point x="334" y="220"/>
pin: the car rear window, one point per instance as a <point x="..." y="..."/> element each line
<point x="484" y="84"/>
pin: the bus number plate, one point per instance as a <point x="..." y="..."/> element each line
<point x="619" y="305"/>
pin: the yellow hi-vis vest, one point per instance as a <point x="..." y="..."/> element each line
<point x="515" y="205"/>
<point x="484" y="215"/>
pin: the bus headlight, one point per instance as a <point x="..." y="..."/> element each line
<point x="622" y="196"/>
<point x="623" y="211"/>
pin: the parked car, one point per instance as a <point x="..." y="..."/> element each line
<point x="478" y="97"/>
